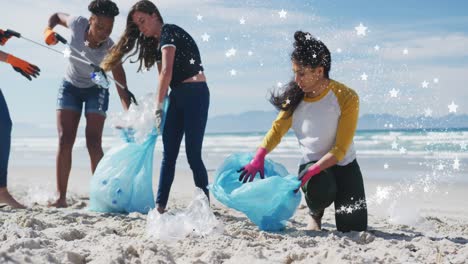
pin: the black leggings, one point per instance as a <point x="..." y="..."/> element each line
<point x="344" y="186"/>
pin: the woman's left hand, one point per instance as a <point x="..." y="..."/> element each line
<point x="305" y="176"/>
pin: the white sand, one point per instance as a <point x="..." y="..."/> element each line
<point x="75" y="235"/>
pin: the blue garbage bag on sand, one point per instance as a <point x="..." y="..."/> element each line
<point x="268" y="202"/>
<point x="123" y="180"/>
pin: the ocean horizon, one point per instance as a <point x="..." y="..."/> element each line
<point x="381" y="152"/>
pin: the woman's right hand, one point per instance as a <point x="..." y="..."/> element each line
<point x="4" y="36"/>
<point x="158" y="117"/>
<point x="49" y="36"/>
<point x="257" y="165"/>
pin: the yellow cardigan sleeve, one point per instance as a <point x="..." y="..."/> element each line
<point x="278" y="129"/>
<point x="347" y="123"/>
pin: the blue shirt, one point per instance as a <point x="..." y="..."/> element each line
<point x="187" y="61"/>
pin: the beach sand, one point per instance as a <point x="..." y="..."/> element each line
<point x="439" y="233"/>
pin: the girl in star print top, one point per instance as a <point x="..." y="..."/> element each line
<point x="91" y="38"/>
<point x="323" y="114"/>
<point x="177" y="56"/>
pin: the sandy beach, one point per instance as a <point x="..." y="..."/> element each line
<point x="438" y="234"/>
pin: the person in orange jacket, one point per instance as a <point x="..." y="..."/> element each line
<point x="27" y="70"/>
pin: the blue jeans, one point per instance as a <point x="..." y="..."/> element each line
<point x="70" y="97"/>
<point x="187" y="114"/>
<point x="5" y="140"/>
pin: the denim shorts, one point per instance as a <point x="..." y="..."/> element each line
<point x="70" y="97"/>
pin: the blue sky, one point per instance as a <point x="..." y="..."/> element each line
<point x="434" y="33"/>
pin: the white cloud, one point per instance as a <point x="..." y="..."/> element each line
<point x="428" y="47"/>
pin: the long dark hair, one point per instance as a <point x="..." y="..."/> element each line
<point x="308" y="52"/>
<point x="145" y="46"/>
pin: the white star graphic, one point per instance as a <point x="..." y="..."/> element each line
<point x="361" y="30"/>
<point x="456" y="164"/>
<point x="394" y="92"/>
<point x="382" y="193"/>
<point x="314" y="55"/>
<point x="282" y="13"/>
<point x="205" y="37"/>
<point x="364" y="76"/>
<point x="463" y="145"/>
<point x="452" y="107"/>
<point x="308" y="36"/>
<point x="242" y="21"/>
<point x="279" y="84"/>
<point x="250" y="53"/>
<point x="394" y="145"/>
<point x="233" y="72"/>
<point x="339" y="50"/>
<point x="425" y="84"/>
<point x="231" y="52"/>
<point x="376" y="47"/>
<point x="440" y="167"/>
<point x="83" y="54"/>
<point x="427" y="112"/>
<point x="436" y="80"/>
<point x="385" y="166"/>
<point x="405" y="51"/>
<point x="86" y="43"/>
<point x="192" y="61"/>
<point x="66" y="53"/>
<point x="402" y="150"/>
<point x="199" y="17"/>
<point x="288" y="101"/>
<point x="200" y="72"/>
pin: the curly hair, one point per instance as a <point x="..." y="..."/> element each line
<point x="105" y="8"/>
<point x="308" y="52"/>
<point x="145" y="46"/>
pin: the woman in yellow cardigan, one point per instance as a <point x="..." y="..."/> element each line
<point x="323" y="114"/>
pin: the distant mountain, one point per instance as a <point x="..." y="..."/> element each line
<point x="260" y="121"/>
<point x="24" y="129"/>
<point x="387" y="121"/>
<point x="252" y="121"/>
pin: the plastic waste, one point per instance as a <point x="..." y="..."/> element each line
<point x="100" y="79"/>
<point x="268" y="203"/>
<point x="196" y="220"/>
<point x="122" y="182"/>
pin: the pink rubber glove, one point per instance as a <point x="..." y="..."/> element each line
<point x="309" y="173"/>
<point x="256" y="165"/>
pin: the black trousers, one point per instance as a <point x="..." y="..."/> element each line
<point x="342" y="185"/>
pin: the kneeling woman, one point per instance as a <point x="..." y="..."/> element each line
<point x="323" y="114"/>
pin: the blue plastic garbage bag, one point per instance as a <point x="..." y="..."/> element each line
<point x="268" y="202"/>
<point x="123" y="180"/>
